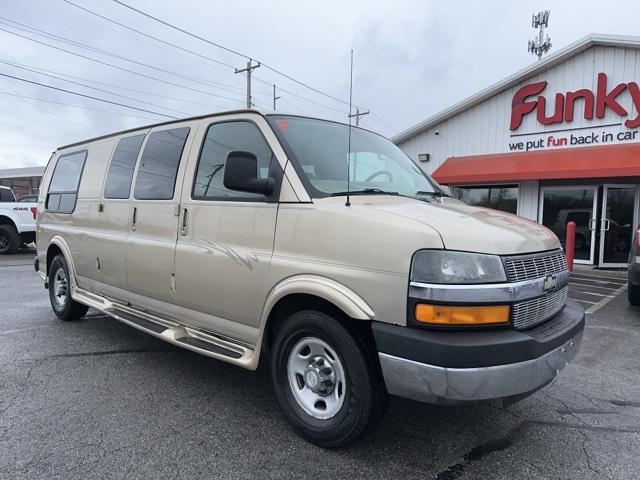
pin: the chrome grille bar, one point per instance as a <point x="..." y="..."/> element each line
<point x="532" y="312"/>
<point x="526" y="267"/>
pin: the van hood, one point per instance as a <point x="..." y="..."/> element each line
<point x="467" y="228"/>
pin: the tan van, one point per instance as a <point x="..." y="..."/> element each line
<point x="238" y="236"/>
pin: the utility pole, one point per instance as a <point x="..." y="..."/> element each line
<point x="250" y="68"/>
<point x="274" y="97"/>
<point x="357" y="115"/>
<point x="540" y="45"/>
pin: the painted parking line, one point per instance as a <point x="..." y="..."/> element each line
<point x="590" y="293"/>
<point x="592" y="288"/>
<point x="593" y="280"/>
<point x="604" y="301"/>
<point x="594" y="291"/>
<point x="586" y="275"/>
<point x="588" y="283"/>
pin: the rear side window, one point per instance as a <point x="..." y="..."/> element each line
<point x="156" y="179"/>
<point x="63" y="189"/>
<point x="123" y="162"/>
<point x="221" y="139"/>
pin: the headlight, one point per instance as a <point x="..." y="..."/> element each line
<point x="442" y="266"/>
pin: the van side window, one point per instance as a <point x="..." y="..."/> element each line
<point x="156" y="179"/>
<point x="63" y="189"/>
<point x="123" y="162"/>
<point x="222" y="138"/>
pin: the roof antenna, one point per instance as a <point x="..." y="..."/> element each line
<point x="348" y="204"/>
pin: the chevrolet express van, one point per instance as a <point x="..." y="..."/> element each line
<point x="239" y="236"/>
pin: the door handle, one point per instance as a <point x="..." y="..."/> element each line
<point x="604" y="226"/>
<point x="592" y="224"/>
<point x="185" y="222"/>
<point x="134" y="219"/>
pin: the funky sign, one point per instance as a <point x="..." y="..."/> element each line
<point x="530" y="98"/>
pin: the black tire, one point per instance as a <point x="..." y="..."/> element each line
<point x="62" y="304"/>
<point x="9" y="239"/>
<point x="633" y="294"/>
<point x="365" y="395"/>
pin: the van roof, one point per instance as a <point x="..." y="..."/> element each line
<point x="168" y="122"/>
<point x="198" y="117"/>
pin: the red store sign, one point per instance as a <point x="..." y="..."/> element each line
<point x="595" y="103"/>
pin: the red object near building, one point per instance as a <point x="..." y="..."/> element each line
<point x="570" y="244"/>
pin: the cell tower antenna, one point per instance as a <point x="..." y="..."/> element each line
<point x="540" y="45"/>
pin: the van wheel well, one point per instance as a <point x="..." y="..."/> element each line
<point x="52" y="251"/>
<point x="302" y="301"/>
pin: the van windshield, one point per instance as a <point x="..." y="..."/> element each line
<point x="376" y="165"/>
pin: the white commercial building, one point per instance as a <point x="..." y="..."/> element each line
<point x="555" y="142"/>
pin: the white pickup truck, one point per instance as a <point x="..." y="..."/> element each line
<point x="17" y="222"/>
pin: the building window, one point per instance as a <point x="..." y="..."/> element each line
<point x="498" y="197"/>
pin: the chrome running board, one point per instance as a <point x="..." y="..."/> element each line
<point x="196" y="340"/>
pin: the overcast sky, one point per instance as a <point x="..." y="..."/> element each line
<point x="412" y="59"/>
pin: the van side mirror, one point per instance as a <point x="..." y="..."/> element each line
<point x="241" y="173"/>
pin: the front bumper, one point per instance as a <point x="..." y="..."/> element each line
<point x="477" y="365"/>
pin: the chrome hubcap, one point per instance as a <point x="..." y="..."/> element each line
<point x="60" y="288"/>
<point x="316" y="377"/>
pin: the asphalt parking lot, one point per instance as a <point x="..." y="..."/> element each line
<point x="98" y="399"/>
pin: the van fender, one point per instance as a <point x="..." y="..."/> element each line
<point x="334" y="292"/>
<point x="62" y="245"/>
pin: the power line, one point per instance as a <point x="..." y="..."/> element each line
<point x="75" y="43"/>
<point x="153" y="38"/>
<point x="117" y="66"/>
<point x="377" y="118"/>
<point x="147" y="35"/>
<point x="186" y="32"/>
<point x="308" y="99"/>
<point x="83" y="107"/>
<point x="84" y="19"/>
<point x="85" y="96"/>
<point x="38" y="70"/>
<point x="20" y="99"/>
<point x="89" y="86"/>
<point x="204" y="56"/>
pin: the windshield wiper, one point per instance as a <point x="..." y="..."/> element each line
<point x="433" y="194"/>
<point x="366" y="191"/>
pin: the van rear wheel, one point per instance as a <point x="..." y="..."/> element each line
<point x="326" y="378"/>
<point x="63" y="305"/>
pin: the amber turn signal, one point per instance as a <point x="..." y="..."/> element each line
<point x="461" y="315"/>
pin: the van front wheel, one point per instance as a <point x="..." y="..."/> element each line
<point x="63" y="305"/>
<point x="326" y="378"/>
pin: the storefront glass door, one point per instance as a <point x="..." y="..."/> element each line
<point x="559" y="205"/>
<point x="617" y="224"/>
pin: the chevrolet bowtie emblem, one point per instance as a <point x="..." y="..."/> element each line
<point x="549" y="283"/>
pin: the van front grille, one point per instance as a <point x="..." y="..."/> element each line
<point x="527" y="267"/>
<point x="533" y="312"/>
